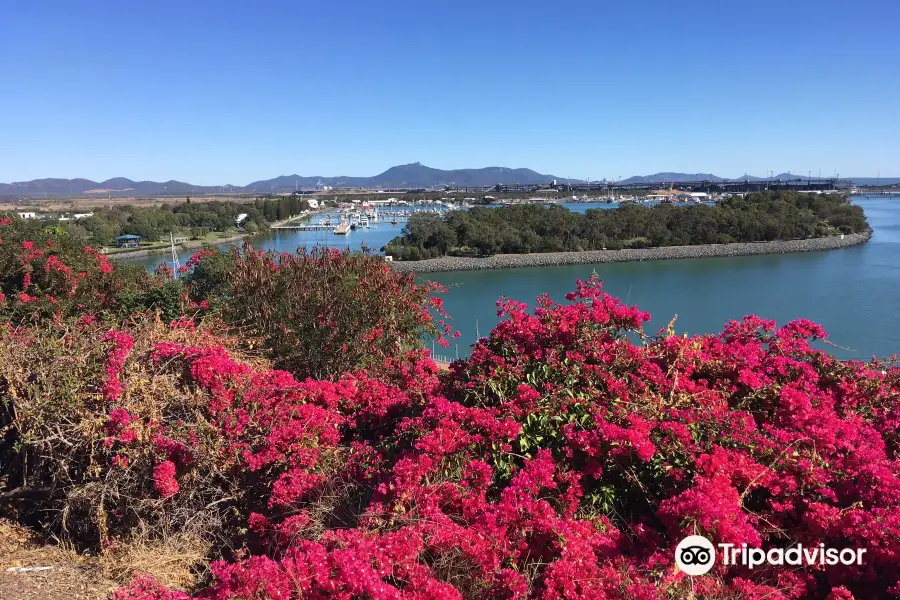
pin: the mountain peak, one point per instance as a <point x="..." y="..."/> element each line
<point x="411" y="175"/>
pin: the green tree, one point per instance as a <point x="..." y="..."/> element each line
<point x="761" y="216"/>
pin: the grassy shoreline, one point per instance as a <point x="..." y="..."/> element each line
<point x="163" y="247"/>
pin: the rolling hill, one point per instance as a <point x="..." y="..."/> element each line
<point x="413" y="175"/>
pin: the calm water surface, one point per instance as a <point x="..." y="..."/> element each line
<point x="854" y="292"/>
<point x="287" y="240"/>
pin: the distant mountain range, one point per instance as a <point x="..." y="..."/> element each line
<point x="414" y="175"/>
<point x="680" y="177"/>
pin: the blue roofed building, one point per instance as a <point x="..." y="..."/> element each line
<point x="128" y="241"/>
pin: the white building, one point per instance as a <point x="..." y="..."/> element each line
<point x="313" y="203"/>
<point x="240" y="218"/>
<point x="82" y="215"/>
<point x="27" y="215"/>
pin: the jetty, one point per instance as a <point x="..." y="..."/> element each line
<point x="305" y="227"/>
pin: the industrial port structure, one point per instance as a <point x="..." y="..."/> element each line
<point x="710" y="186"/>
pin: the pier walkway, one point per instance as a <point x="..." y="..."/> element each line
<point x="304" y="227"/>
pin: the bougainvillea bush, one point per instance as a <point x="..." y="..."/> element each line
<point x="45" y="273"/>
<point x="564" y="459"/>
<point x="97" y="432"/>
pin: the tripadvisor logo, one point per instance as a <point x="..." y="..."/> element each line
<point x="696" y="555"/>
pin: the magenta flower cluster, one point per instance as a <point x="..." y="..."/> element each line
<point x="563" y="459"/>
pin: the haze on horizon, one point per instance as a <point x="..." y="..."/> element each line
<point x="227" y="92"/>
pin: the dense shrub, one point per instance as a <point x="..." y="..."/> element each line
<point x="564" y="461"/>
<point x="749" y="436"/>
<point x="46" y="273"/>
<point x="97" y="431"/>
<point x="155" y="428"/>
<point x="158" y="430"/>
<point x="320" y="312"/>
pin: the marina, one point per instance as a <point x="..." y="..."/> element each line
<point x="704" y="292"/>
<point x="343" y="221"/>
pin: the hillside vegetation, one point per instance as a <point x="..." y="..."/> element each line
<point x="191" y="219"/>
<point x="763" y="216"/>
<point x="266" y="445"/>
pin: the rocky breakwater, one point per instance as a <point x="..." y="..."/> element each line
<point x="555" y="259"/>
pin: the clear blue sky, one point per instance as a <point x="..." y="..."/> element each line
<point x="231" y="92"/>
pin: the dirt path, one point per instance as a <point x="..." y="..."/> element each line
<point x="70" y="578"/>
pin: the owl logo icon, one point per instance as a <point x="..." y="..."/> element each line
<point x="695" y="555"/>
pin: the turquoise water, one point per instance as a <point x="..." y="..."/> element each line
<point x="288" y="240"/>
<point x="854" y="293"/>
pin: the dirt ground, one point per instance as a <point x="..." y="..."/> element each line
<point x="71" y="577"/>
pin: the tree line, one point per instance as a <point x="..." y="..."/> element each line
<point x="760" y="216"/>
<point x="189" y="219"/>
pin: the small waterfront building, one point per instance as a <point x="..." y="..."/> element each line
<point x="128" y="241"/>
